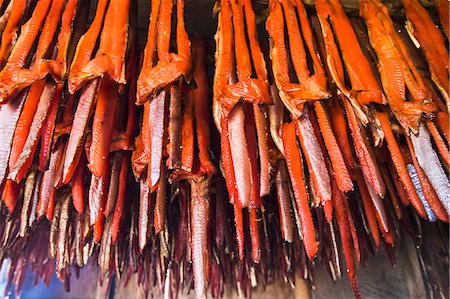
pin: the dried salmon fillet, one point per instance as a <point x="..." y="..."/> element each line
<point x="341" y="173"/>
<point x="398" y="73"/>
<point x="422" y="28"/>
<point x="295" y="168"/>
<point x="314" y="157"/>
<point x="110" y="56"/>
<point x="310" y="86"/>
<point x="364" y="152"/>
<point x="399" y="163"/>
<point x="9" y="115"/>
<point x="9" y="34"/>
<point x="344" y="53"/>
<point x="169" y="66"/>
<point x="14" y="76"/>
<point x="105" y="109"/>
<point x="429" y="162"/>
<point x="87" y="42"/>
<point x="78" y="131"/>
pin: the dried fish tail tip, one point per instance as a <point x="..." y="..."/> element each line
<point x="345" y="234"/>
<point x="10" y="194"/>
<point x="239" y="224"/>
<point x="369" y="209"/>
<point x="284" y="202"/>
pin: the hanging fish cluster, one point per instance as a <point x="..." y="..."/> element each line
<point x="329" y="137"/>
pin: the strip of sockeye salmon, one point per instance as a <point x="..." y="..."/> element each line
<point x="201" y="107"/>
<point x="78" y="185"/>
<point x="312" y="87"/>
<point x="9" y="115"/>
<point x="314" y="158"/>
<point x="254" y="90"/>
<point x="187" y="134"/>
<point x="399" y="163"/>
<point x="9" y="34"/>
<point x="227" y="162"/>
<point x="102" y="126"/>
<point x="295" y="168"/>
<point x="429" y="162"/>
<point x="263" y="149"/>
<point x="422" y="27"/>
<point x="87" y="42"/>
<point x="340" y="130"/>
<point x="78" y="131"/>
<point x="23" y="162"/>
<point x="48" y="129"/>
<point x="240" y="155"/>
<point x="164" y="31"/>
<point x="156" y="125"/>
<point x="171" y="66"/>
<point x="340" y="170"/>
<point x="396" y="70"/>
<point x="110" y="57"/>
<point x="336" y="27"/>
<point x="364" y="152"/>
<point x="250" y="135"/>
<point x="24" y="123"/>
<point x="223" y="56"/>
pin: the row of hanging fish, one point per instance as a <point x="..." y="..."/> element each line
<point x="331" y="137"/>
